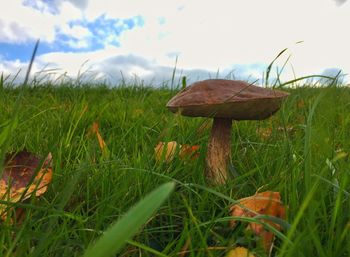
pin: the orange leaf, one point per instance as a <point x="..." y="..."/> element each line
<point x="189" y="151"/>
<point x="101" y="142"/>
<point x="266" y="203"/>
<point x="239" y="252"/>
<point x="95" y="130"/>
<point x="17" y="182"/>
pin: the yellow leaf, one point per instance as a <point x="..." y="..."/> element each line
<point x="168" y="150"/>
<point x="264" y="133"/>
<point x="137" y="113"/>
<point x="165" y="150"/>
<point x="340" y="155"/>
<point x="239" y="252"/>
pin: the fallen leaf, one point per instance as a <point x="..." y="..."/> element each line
<point x="340" y="154"/>
<point x="95" y="130"/>
<point x="265" y="203"/>
<point x="239" y="252"/>
<point x="101" y="142"/>
<point x="300" y="119"/>
<point x="288" y="129"/>
<point x="165" y="150"/>
<point x="301" y="104"/>
<point x="137" y="112"/>
<point x="168" y="150"/>
<point x="19" y="215"/>
<point x="184" y="249"/>
<point x="189" y="151"/>
<point x="264" y="133"/>
<point x="18" y="182"/>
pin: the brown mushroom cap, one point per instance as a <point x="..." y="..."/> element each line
<point x="222" y="98"/>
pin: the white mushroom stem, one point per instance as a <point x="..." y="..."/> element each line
<point x="219" y="151"/>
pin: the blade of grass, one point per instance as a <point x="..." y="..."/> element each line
<point x="31" y="62"/>
<point x="293" y="228"/>
<point x="307" y="144"/>
<point x="65" y="196"/>
<point x="146" y="248"/>
<point x="2" y="81"/>
<point x="268" y="70"/>
<point x="114" y="238"/>
<point x="173" y="75"/>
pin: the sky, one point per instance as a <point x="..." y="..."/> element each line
<point x="114" y="40"/>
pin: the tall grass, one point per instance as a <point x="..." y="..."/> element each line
<point x="305" y="158"/>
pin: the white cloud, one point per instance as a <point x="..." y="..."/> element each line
<point x="21" y="23"/>
<point x="14" y="71"/>
<point x="122" y="10"/>
<point x="207" y="36"/>
<point x="234" y="32"/>
<point x="79" y="36"/>
<point x="218" y="35"/>
<point x="340" y="2"/>
<point x="77" y="44"/>
<point x="75" y="31"/>
<point x="79" y="3"/>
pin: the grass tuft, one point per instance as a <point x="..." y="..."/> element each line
<point x="303" y="153"/>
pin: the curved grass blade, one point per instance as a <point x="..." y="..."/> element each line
<point x="268" y="70"/>
<point x="31" y="62"/>
<point x="114" y="238"/>
<point x="2" y="81"/>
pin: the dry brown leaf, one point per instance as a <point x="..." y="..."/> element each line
<point x="265" y="203"/>
<point x="165" y="150"/>
<point x="184" y="250"/>
<point x="17" y="182"/>
<point x="266" y="133"/>
<point x="301" y="104"/>
<point x="239" y="252"/>
<point x="288" y="129"/>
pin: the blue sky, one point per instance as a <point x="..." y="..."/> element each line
<point x="143" y="39"/>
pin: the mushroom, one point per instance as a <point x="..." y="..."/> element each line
<point x="224" y="101"/>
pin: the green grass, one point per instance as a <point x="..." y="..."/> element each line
<point x="309" y="165"/>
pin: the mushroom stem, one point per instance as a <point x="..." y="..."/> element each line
<point x="219" y="151"/>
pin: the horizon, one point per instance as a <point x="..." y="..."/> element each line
<point x="147" y="41"/>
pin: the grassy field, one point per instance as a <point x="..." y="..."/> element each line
<point x="301" y="152"/>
